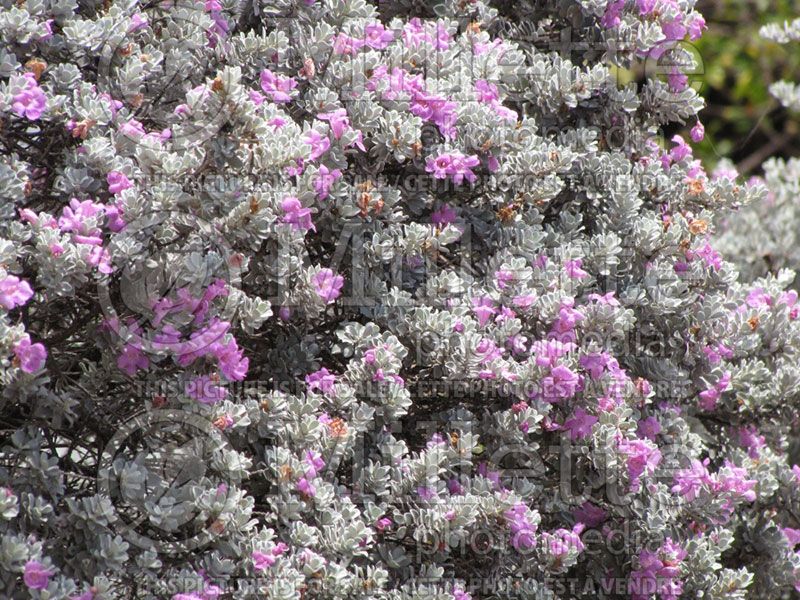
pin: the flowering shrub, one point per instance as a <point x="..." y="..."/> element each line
<point x="306" y="299"/>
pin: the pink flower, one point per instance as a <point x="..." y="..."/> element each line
<point x="525" y="301"/>
<point x="580" y="425"/>
<point x="377" y="36"/>
<point x="328" y="284"/>
<point x="305" y="487"/>
<point x="319" y="145"/>
<point x="30" y="356"/>
<point x="117" y="182"/>
<point x="347" y="45"/>
<point x="522" y="529"/>
<point x="324" y="181"/>
<point x="487" y="92"/>
<point x="439" y="166"/>
<point x="36" y="578"/>
<point x="414" y="33"/>
<point x="605" y="299"/>
<point x="132" y="128"/>
<point x="454" y="164"/>
<point x="688" y="481"/>
<point x="482" y="307"/>
<point x="296" y="216"/>
<point x="314" y="462"/>
<point x="277" y="88"/>
<point x="559" y="385"/>
<point x="574" y="270"/>
<point x="339" y="121"/>
<point x="31" y="101"/>
<point x="262" y="561"/>
<point x="461" y="167"/>
<point x="698" y="132"/>
<point x="137" y="22"/>
<point x="757" y="297"/>
<point x="383" y="524"/>
<point x="696" y="26"/>
<point x="503" y="278"/>
<point x="14" y="292"/>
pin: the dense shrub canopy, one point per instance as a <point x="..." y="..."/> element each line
<point x="305" y="299"/>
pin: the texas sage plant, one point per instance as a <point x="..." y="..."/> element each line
<point x="398" y="300"/>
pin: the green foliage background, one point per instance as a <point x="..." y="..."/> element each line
<point x="743" y="122"/>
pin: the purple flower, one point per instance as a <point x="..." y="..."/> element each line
<point x="643" y="457"/>
<point x="681" y="149"/>
<point x="440" y="166"/>
<point x="649" y="428"/>
<point x="205" y="390"/>
<point x="117" y="182"/>
<point x="757" y="297"/>
<point x="296" y="216"/>
<point x="503" y="278"/>
<point x="459" y="594"/>
<point x="132" y="360"/>
<point x="30" y="356"/>
<point x="525" y="301"/>
<point x="383" y="524"/>
<point x="31" y="101"/>
<point x="324" y="181"/>
<point x="229" y="359"/>
<point x="321" y="380"/>
<point x="14" y="292"/>
<point x="328" y="284"/>
<point x="444" y="216"/>
<point x="580" y="425"/>
<point x="35" y="576"/>
<point x="426" y="494"/>
<point x="646" y="6"/>
<point x="611" y="16"/>
<point x="590" y="515"/>
<point x="547" y="351"/>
